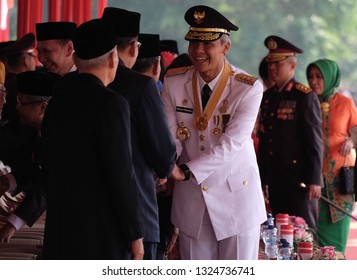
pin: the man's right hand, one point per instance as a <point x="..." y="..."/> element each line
<point x="7" y="232"/>
<point x="177" y="174"/>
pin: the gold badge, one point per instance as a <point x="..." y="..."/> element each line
<point x="217" y="131"/>
<point x="183" y="133"/>
<point x="199" y="16"/>
<point x="201" y="122"/>
<point x="184" y="102"/>
<point x="272" y="45"/>
<point x="224" y="107"/>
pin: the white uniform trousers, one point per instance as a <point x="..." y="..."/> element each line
<point x="244" y="246"/>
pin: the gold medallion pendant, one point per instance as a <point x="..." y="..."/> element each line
<point x="217" y="131"/>
<point x="183" y="133"/>
<point x="201" y="122"/>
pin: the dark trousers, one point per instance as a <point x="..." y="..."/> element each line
<point x="150" y="249"/>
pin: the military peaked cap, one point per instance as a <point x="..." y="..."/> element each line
<point x="126" y="23"/>
<point x="207" y="24"/>
<point x="23" y="44"/>
<point x="279" y="48"/>
<point x="55" y="30"/>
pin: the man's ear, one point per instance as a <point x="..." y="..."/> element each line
<point x="132" y="49"/>
<point x="293" y="65"/>
<point x="69" y="48"/>
<point x="156" y="67"/>
<point x="113" y="59"/>
<point x="226" y="48"/>
<point x="44" y="106"/>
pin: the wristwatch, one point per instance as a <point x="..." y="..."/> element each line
<point x="186" y="171"/>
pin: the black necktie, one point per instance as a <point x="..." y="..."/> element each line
<point x="205" y="95"/>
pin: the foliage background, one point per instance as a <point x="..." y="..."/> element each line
<point x="322" y="28"/>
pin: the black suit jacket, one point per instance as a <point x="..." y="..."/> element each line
<point x="92" y="200"/>
<point x="154" y="149"/>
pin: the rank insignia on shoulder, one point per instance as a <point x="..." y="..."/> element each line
<point x="303" y="88"/>
<point x="177" y="71"/>
<point x="244" y="78"/>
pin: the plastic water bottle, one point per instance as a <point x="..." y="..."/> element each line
<point x="263" y="228"/>
<point x="269" y="239"/>
<point x="270" y="219"/>
<point x="284" y="250"/>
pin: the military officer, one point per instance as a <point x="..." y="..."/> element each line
<point x="218" y="205"/>
<point x="290" y="137"/>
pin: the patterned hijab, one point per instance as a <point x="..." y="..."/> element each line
<point x="331" y="74"/>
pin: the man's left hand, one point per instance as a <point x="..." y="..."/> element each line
<point x="314" y="191"/>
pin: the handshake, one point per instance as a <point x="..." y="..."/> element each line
<point x="179" y="173"/>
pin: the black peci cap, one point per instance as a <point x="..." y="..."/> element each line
<point x="55" y="30"/>
<point x="279" y="48"/>
<point x="169" y="46"/>
<point x="150" y="45"/>
<point x="93" y="38"/>
<point x="37" y="83"/>
<point x="207" y="24"/>
<point x="27" y="42"/>
<point x="126" y="23"/>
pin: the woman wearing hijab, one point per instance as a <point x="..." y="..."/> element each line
<point x="339" y="114"/>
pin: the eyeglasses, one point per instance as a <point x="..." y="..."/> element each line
<point x="24" y="103"/>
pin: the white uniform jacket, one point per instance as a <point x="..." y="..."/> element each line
<point x="221" y="158"/>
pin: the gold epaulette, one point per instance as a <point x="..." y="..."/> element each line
<point x="302" y="88"/>
<point x="177" y="71"/>
<point x="244" y="78"/>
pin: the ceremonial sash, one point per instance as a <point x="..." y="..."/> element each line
<point x="202" y="118"/>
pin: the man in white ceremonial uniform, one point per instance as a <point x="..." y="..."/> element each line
<point x="218" y="204"/>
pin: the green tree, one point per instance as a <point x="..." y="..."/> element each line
<point x="322" y="28"/>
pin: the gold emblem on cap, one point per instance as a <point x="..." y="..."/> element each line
<point x="272" y="45"/>
<point x="199" y="16"/>
<point x="183" y="133"/>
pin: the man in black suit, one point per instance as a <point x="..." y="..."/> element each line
<point x="55" y="47"/>
<point x="153" y="147"/>
<point x="93" y="208"/>
<point x="35" y="90"/>
<point x="290" y="137"/>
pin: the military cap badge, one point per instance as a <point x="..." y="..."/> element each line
<point x="199" y="16"/>
<point x="272" y="44"/>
